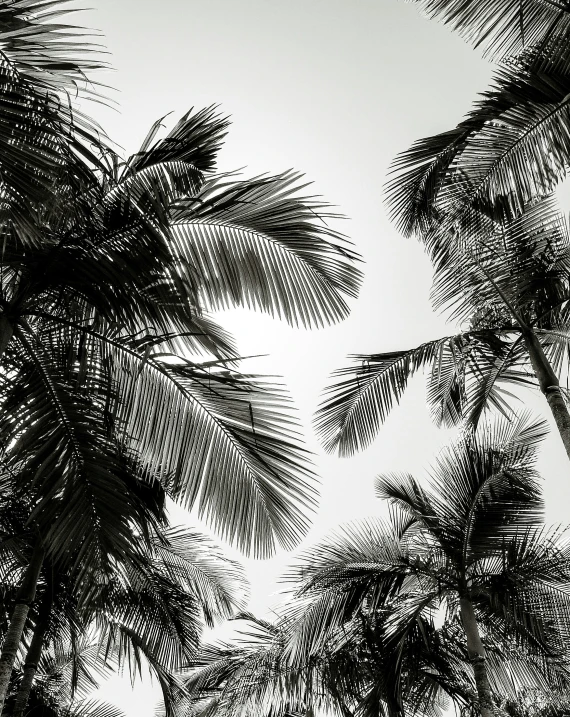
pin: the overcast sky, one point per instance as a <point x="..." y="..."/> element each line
<point x="333" y="88"/>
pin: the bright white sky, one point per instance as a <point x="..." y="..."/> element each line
<point x="333" y="88"/>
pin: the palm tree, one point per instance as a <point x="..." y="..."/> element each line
<point x="258" y="672"/>
<point x="511" y="293"/>
<point x="66" y="677"/>
<point x="152" y="605"/>
<point x="470" y="195"/>
<point x="473" y="546"/>
<point x="21" y="542"/>
<point x="115" y="292"/>
<point x="154" y="611"/>
<point x="108" y="269"/>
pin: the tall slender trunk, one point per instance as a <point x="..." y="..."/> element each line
<point x="24" y="598"/>
<point x="476" y="653"/>
<point x="33" y="655"/>
<point x="549" y="385"/>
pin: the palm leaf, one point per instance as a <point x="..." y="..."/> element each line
<point x="82" y="501"/>
<point x="493" y="163"/>
<point x="207" y="426"/>
<point x="192" y="144"/>
<point x="193" y="561"/>
<point x="495" y="489"/>
<point x="501" y="27"/>
<point x="361" y="564"/>
<point x="257" y="243"/>
<point x="191" y="425"/>
<point x="355" y="407"/>
<point x="49" y="54"/>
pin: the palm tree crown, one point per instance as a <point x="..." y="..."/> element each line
<point x="474" y="546"/>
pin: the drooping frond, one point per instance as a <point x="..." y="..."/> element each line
<point x="224" y="442"/>
<point x="79" y="481"/>
<point x="355" y="407"/>
<point x="49" y="54"/>
<point x="258" y="243"/>
<point x="466" y="373"/>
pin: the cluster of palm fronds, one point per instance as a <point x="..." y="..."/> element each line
<point x="119" y="393"/>
<point x="464" y="593"/>
<point x="481" y="197"/>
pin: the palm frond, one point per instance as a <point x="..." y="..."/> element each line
<point x="46" y="52"/>
<point x="82" y="501"/>
<point x="92" y="708"/>
<point x="192" y="143"/>
<point x="72" y="669"/>
<point x="194" y="562"/>
<point x="495" y="488"/>
<point x="258" y="243"/>
<point x="355" y="407"/>
<point x="501" y="27"/>
<point x="222" y="441"/>
<point x="208" y="425"/>
<point x="359" y="564"/>
<point x="494" y="162"/>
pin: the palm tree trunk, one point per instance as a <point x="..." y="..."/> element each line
<point x="33" y="655"/>
<point x="24" y="598"/>
<point x="550" y="386"/>
<point x="476" y="653"/>
<point x="6" y="333"/>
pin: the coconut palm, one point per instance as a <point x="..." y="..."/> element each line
<point x="107" y="273"/>
<point x="153" y="607"/>
<point x="66" y="677"/>
<point x="153" y="613"/>
<point x="22" y="554"/>
<point x="114" y="295"/>
<point x="510" y="292"/>
<point x="460" y="193"/>
<point x="353" y="674"/>
<point x="471" y="545"/>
